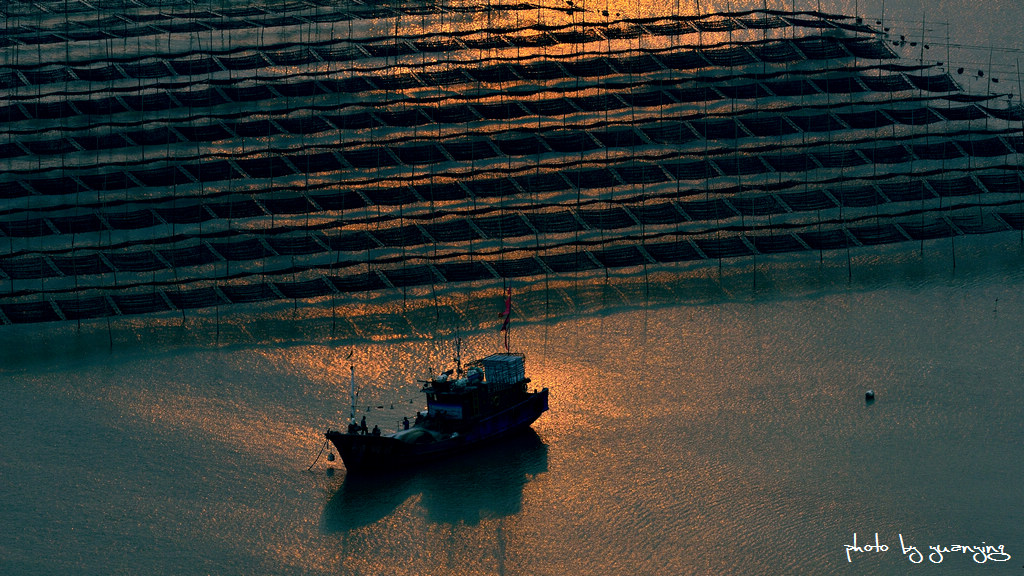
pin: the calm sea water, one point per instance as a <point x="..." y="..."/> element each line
<point x="703" y="423"/>
<point x="726" y="436"/>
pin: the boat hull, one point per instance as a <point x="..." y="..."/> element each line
<point x="368" y="453"/>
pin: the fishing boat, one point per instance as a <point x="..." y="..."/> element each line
<point x="488" y="400"/>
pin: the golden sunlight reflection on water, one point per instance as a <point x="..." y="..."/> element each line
<point x="704" y="438"/>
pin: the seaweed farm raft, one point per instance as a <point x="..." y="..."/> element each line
<point x="157" y="158"/>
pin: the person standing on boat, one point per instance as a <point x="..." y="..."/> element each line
<point x="362" y="426"/>
<point x="405" y="423"/>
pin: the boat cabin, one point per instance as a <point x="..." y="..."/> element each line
<point x="487" y="385"/>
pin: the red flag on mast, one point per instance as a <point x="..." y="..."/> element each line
<point x="508" y="309"/>
<point x="507" y="314"/>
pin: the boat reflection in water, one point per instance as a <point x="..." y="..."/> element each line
<point x="485" y="482"/>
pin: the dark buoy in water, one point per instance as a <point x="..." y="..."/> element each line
<point x="330" y="456"/>
<point x="869" y="396"/>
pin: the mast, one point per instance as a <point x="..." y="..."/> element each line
<point x="507" y="314"/>
<point x="458" y="356"/>
<point x="352" y="395"/>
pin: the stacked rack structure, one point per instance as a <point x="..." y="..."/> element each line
<point x="156" y="158"/>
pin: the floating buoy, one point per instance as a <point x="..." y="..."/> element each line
<point x="869" y="396"/>
<point x="330" y="456"/>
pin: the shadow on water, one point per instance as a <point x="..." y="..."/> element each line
<point x="398" y="316"/>
<point x="485" y="483"/>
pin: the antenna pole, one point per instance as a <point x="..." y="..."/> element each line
<point x="508" y="315"/>
<point x="352" y="395"/>
<point x="458" y="356"/>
